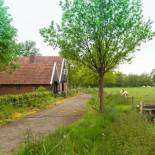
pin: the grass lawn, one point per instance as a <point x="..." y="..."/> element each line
<point x="140" y="94"/>
<point x="120" y="130"/>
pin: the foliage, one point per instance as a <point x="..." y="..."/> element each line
<point x="81" y="76"/>
<point x="94" y="25"/>
<point x="118" y="131"/>
<point x="153" y="75"/>
<point x="41" y="89"/>
<point x="99" y="34"/>
<point x="28" y="99"/>
<point x="8" y="46"/>
<point x="10" y="104"/>
<point x="132" y="80"/>
<point x="28" y="48"/>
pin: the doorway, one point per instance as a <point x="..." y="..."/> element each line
<point x="55" y="87"/>
<point x="63" y="88"/>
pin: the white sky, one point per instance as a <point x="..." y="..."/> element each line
<point x="31" y="15"/>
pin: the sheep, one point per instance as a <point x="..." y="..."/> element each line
<point x="124" y="93"/>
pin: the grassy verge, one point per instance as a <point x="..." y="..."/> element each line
<point x="9" y="113"/>
<point x="13" y="107"/>
<point x="119" y="131"/>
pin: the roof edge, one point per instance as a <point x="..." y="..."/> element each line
<point x="53" y="73"/>
<point x="54" y="68"/>
<point x="63" y="62"/>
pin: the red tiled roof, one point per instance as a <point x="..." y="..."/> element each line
<point x="37" y="72"/>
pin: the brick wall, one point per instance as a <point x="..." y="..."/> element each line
<point x="17" y="89"/>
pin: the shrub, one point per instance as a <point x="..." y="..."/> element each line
<point x="10" y="104"/>
<point x="33" y="99"/>
<point x="41" y="89"/>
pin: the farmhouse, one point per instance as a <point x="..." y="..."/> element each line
<point x="33" y="72"/>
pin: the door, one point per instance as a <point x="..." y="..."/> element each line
<point x="55" y="87"/>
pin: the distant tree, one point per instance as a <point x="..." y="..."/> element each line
<point x="110" y="79"/>
<point x="132" y="80"/>
<point x="145" y="80"/>
<point x="79" y="75"/>
<point x="8" y="46"/>
<point x="99" y="34"/>
<point x="120" y="79"/>
<point x="153" y="75"/>
<point x="28" y="48"/>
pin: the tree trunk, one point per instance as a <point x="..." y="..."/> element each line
<point x="101" y="93"/>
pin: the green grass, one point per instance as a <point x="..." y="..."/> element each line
<point x="119" y="131"/>
<point x="10" y="112"/>
<point x="146" y="95"/>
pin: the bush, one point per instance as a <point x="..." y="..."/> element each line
<point x="10" y="104"/>
<point x="41" y="89"/>
<point x="27" y="99"/>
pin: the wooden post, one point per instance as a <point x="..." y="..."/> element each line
<point x="132" y="100"/>
<point x="141" y="107"/>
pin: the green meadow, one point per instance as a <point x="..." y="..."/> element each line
<point x="147" y="95"/>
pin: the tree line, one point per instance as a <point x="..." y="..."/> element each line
<point x="80" y="76"/>
<point x="131" y="80"/>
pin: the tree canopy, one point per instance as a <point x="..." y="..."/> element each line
<point x="8" y="46"/>
<point x="153" y="75"/>
<point x="100" y="34"/>
<point x="28" y="48"/>
<point x="78" y="72"/>
<point x="88" y="78"/>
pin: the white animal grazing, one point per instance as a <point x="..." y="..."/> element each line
<point x="124" y="92"/>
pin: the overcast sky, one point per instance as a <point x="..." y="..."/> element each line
<point x="31" y="15"/>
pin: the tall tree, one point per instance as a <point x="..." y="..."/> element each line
<point x="28" y="48"/>
<point x="99" y="33"/>
<point x="8" y="46"/>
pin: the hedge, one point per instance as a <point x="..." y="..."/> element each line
<point x="32" y="99"/>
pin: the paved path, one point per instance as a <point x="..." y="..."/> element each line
<point x="11" y="135"/>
